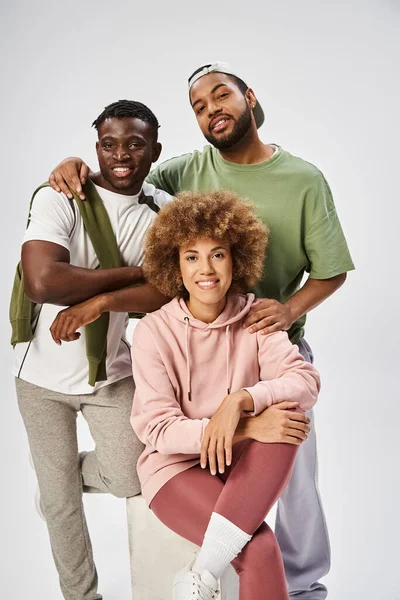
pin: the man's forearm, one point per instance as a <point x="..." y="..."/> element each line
<point x="64" y="284"/>
<point x="313" y="292"/>
<point x="143" y="299"/>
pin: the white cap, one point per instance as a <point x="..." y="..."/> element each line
<point x="221" y="67"/>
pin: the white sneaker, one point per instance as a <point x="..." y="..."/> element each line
<point x="189" y="585"/>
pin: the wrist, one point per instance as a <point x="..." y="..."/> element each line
<point x="293" y="313"/>
<point x="243" y="430"/>
<point x="136" y="274"/>
<point x="245" y="401"/>
<point x="103" y="302"/>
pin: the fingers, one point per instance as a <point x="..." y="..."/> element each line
<point x="286" y="405"/>
<point x="297" y="424"/>
<point x="64" y="329"/>
<point x="265" y="323"/>
<point x="212" y="462"/>
<point x="204" y="451"/>
<point x="298" y="436"/>
<point x="52" y="181"/>
<point x="228" y="453"/>
<point x="264" y="309"/>
<point x="58" y="183"/>
<point x="256" y="302"/>
<point x="69" y="177"/>
<point x="221" y="455"/>
<point x="299" y="427"/>
<point x="288" y="439"/>
<point x="53" y="333"/>
<point x="294" y="416"/>
<point x="76" y="186"/>
<point x="272" y="328"/>
<point x="297" y="433"/>
<point x="84" y="173"/>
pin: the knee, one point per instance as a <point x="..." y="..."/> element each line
<point x="123" y="486"/>
<point x="262" y="549"/>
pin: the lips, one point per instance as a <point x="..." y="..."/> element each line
<point x="122" y="171"/>
<point x="219" y="123"/>
<point x="207" y="284"/>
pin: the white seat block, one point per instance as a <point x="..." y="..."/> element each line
<point x="157" y="553"/>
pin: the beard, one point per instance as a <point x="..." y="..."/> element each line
<point x="240" y="128"/>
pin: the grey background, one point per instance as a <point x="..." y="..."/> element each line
<point x="327" y="75"/>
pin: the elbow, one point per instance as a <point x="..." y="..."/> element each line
<point x="311" y="389"/>
<point x="340" y="279"/>
<point x="37" y="293"/>
<point x="37" y="288"/>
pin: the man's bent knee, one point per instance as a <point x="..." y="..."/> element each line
<point x="123" y="488"/>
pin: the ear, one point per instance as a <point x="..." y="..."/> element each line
<point x="97" y="147"/>
<point x="251" y="98"/>
<point x="156" y="152"/>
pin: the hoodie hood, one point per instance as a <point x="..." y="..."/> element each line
<point x="237" y="306"/>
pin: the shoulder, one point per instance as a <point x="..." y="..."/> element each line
<point x="278" y="340"/>
<point x="177" y="164"/>
<point x="301" y="168"/>
<point x="160" y="196"/>
<point x="52" y="208"/>
<point x="148" y="330"/>
<point x="49" y="203"/>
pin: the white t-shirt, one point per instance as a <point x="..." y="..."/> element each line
<point x="54" y="219"/>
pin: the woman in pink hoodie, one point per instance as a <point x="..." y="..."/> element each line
<point x="207" y="391"/>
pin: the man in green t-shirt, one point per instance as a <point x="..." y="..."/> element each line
<point x="294" y="199"/>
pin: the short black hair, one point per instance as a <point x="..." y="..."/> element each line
<point x="128" y="109"/>
<point x="243" y="87"/>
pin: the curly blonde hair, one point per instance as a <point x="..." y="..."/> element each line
<point x="220" y="215"/>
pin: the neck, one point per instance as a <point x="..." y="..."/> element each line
<point x="205" y="312"/>
<point x="99" y="180"/>
<point x="249" y="150"/>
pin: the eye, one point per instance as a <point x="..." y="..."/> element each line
<point x="223" y="95"/>
<point x="107" y="146"/>
<point x="135" y="145"/>
<point x="219" y="255"/>
<point x="191" y="258"/>
<point x="200" y="110"/>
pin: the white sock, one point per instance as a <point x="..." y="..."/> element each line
<point x="222" y="543"/>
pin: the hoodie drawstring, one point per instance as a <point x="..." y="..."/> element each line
<point x="228" y="356"/>
<point x="188" y="382"/>
<point x="228" y="352"/>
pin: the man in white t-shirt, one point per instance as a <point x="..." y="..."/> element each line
<point x="61" y="269"/>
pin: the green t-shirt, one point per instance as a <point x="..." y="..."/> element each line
<point x="291" y="196"/>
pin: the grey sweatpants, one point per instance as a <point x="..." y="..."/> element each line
<point x="50" y="422"/>
<point x="300" y="521"/>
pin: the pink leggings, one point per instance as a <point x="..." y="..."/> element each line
<point x="244" y="494"/>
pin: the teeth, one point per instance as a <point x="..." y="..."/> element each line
<point x="120" y="169"/>
<point x="219" y="123"/>
<point x="206" y="283"/>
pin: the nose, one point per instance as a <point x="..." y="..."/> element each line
<point x="213" y="108"/>
<point x="206" y="267"/>
<point x="121" y="153"/>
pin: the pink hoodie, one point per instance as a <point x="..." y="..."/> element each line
<point x="183" y="368"/>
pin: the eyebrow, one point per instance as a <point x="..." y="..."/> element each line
<point x="134" y="136"/>
<point x="212" y="249"/>
<point x="212" y="91"/>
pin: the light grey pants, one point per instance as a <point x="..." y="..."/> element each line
<point x="300" y="522"/>
<point x="50" y="422"/>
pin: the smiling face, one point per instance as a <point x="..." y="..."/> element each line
<point x="126" y="149"/>
<point x="206" y="269"/>
<point x="223" y="112"/>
